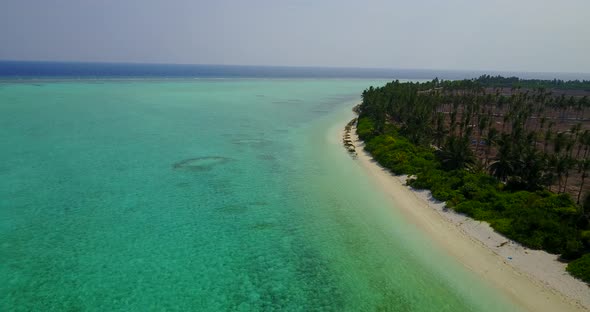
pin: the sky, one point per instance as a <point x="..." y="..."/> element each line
<point x="501" y="35"/>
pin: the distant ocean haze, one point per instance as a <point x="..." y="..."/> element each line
<point x="29" y="70"/>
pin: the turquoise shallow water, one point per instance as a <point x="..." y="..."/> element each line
<point x="209" y="195"/>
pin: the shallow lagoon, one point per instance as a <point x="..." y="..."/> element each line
<point x="217" y="195"/>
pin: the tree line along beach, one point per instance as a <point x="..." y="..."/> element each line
<point x="511" y="152"/>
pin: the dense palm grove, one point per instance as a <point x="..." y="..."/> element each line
<point x="515" y="153"/>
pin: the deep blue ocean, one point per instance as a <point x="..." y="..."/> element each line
<point x="69" y="70"/>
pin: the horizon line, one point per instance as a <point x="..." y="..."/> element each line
<point x="496" y="71"/>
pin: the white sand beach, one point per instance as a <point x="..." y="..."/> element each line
<point x="533" y="279"/>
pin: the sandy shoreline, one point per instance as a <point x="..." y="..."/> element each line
<point x="533" y="279"/>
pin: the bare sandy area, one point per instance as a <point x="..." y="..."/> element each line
<point x="533" y="279"/>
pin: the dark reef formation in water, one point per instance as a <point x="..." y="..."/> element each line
<point x="201" y="163"/>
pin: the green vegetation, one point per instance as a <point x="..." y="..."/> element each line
<point x="580" y="268"/>
<point x="493" y="157"/>
<point x="512" y="82"/>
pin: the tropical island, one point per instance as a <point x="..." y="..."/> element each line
<point x="512" y="152"/>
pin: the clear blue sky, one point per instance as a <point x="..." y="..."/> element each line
<point x="519" y="35"/>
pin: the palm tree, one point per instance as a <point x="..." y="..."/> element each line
<point x="568" y="164"/>
<point x="505" y="120"/>
<point x="491" y="138"/>
<point x="477" y="167"/>
<point x="560" y="166"/>
<point x="440" y="131"/>
<point x="531" y="169"/>
<point x="558" y="143"/>
<point x="453" y="122"/>
<point x="571" y="104"/>
<point x="569" y="146"/>
<point x="585" y="140"/>
<point x="481" y="126"/>
<point x="583" y="103"/>
<point x="456" y="153"/>
<point x="583" y="167"/>
<point x="579" y="108"/>
<point x="542" y="122"/>
<point x="575" y="131"/>
<point x="503" y="167"/>
<point x="548" y="137"/>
